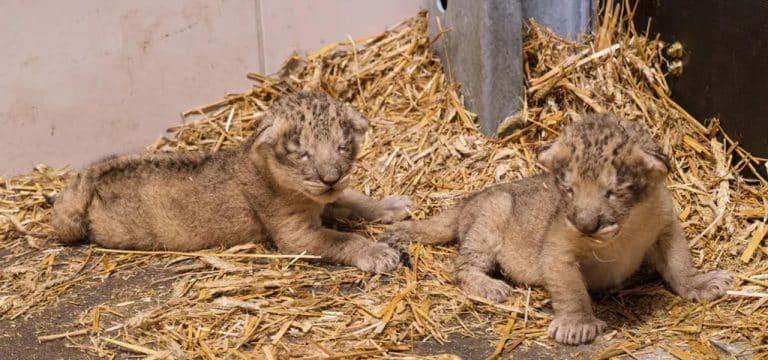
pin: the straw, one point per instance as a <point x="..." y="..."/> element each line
<point x="250" y="302"/>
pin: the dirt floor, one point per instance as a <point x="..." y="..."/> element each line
<point x="19" y="337"/>
<point x="144" y="288"/>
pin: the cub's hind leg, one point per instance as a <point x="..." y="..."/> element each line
<point x="477" y="257"/>
<point x="482" y="224"/>
<point x="438" y="229"/>
<point x="71" y="208"/>
<point x="69" y="217"/>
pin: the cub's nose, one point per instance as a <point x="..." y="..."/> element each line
<point x="589" y="228"/>
<point x="330" y="179"/>
<point x="586" y="225"/>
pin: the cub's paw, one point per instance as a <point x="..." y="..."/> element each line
<point x="392" y="208"/>
<point x="492" y="289"/>
<point x="377" y="258"/>
<point x="575" y="329"/>
<point x="708" y="286"/>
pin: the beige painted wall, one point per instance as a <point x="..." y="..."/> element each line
<point x="310" y="24"/>
<point x="82" y="79"/>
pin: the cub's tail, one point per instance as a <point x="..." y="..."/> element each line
<point x="438" y="229"/>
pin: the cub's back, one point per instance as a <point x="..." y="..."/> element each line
<point x="182" y="203"/>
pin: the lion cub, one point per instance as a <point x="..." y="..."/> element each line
<point x="275" y="185"/>
<point x="588" y="223"/>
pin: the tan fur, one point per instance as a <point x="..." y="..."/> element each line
<point x="588" y="223"/>
<point x="275" y="185"/>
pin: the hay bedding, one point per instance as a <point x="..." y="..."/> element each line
<point x="243" y="304"/>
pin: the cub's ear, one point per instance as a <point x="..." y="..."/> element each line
<point x="653" y="159"/>
<point x="265" y="132"/>
<point x="550" y="153"/>
<point x="649" y="154"/>
<point x="358" y="123"/>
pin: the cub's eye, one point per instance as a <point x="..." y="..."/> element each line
<point x="343" y="148"/>
<point x="302" y="155"/>
<point x="610" y="195"/>
<point x="568" y="190"/>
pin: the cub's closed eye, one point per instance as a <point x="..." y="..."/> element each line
<point x="610" y="194"/>
<point x="343" y="147"/>
<point x="303" y="155"/>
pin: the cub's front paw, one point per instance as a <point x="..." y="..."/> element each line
<point x="492" y="289"/>
<point x="377" y="258"/>
<point x="708" y="286"/>
<point x="392" y="208"/>
<point x="575" y="329"/>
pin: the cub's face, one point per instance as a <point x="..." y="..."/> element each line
<point x="603" y="167"/>
<point x="313" y="141"/>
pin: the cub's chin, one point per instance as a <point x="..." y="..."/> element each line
<point x="606" y="234"/>
<point x="322" y="193"/>
<point x="601" y="237"/>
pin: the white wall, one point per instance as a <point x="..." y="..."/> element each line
<point x="311" y="24"/>
<point x="82" y="79"/>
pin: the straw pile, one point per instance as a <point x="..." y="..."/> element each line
<point x="240" y="303"/>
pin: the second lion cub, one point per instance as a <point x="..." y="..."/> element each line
<point x="588" y="223"/>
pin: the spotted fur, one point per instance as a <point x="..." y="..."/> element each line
<point x="273" y="186"/>
<point x="588" y="223"/>
<point x="604" y="165"/>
